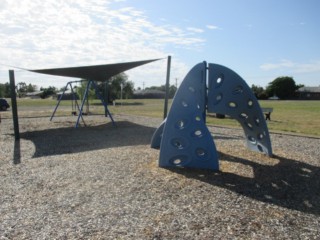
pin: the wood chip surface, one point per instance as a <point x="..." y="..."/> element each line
<point x="103" y="182"/>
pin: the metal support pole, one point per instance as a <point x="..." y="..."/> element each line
<point x="105" y="104"/>
<point x="76" y="103"/>
<point x="14" y="105"/>
<point x="165" y="111"/>
<point x="60" y="98"/>
<point x="83" y="101"/>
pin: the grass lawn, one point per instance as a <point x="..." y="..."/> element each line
<point x="300" y="117"/>
<point x="295" y="116"/>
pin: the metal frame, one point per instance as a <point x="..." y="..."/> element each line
<point x="85" y="96"/>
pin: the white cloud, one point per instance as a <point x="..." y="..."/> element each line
<point x="42" y="34"/>
<point x="196" y="30"/>
<point x="292" y="66"/>
<point x="308" y="67"/>
<point x="282" y="64"/>
<point x="212" y="27"/>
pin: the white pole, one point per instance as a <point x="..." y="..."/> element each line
<point x="121" y="85"/>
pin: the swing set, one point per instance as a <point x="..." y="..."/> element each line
<point x="98" y="73"/>
<point x="74" y="104"/>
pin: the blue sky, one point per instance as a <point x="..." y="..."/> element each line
<point x="260" y="40"/>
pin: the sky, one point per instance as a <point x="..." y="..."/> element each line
<point x="259" y="39"/>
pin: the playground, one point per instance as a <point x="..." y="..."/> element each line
<point x="142" y="177"/>
<point x="103" y="182"/>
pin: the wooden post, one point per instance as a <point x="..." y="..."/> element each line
<point x="14" y="105"/>
<point x="165" y="111"/>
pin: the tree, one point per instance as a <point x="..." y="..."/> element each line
<point x="259" y="92"/>
<point x="80" y="90"/>
<point x="21" y="89"/>
<point x="115" y="87"/>
<point x="172" y="89"/>
<point x="128" y="90"/>
<point x="7" y="93"/>
<point x="48" y="91"/>
<point x="283" y="87"/>
<point x="4" y="90"/>
<point x="31" y="88"/>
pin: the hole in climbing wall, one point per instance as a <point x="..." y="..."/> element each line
<point x="244" y="115"/>
<point x="232" y="104"/>
<point x="249" y="125"/>
<point x="250" y="103"/>
<point x="257" y="121"/>
<point x="252" y="140"/>
<point x="201" y="152"/>
<point x="179" y="160"/>
<point x="180" y="124"/>
<point x="191" y="89"/>
<point x="178" y="143"/>
<point x="198" y="133"/>
<point x="237" y="90"/>
<point x="260" y="136"/>
<point x="260" y="148"/>
<point x="218" y="98"/>
<point x="184" y="103"/>
<point x="219" y="80"/>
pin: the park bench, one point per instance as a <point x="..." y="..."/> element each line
<point x="267" y="112"/>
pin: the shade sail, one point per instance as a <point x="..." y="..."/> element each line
<point x="95" y="72"/>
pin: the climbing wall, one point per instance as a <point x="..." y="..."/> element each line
<point x="184" y="138"/>
<point x="229" y="94"/>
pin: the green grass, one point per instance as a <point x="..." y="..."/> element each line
<point x="301" y="117"/>
<point x="26" y="102"/>
<point x="295" y="116"/>
<point x="140" y="107"/>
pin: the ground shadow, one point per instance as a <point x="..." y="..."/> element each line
<point x="290" y="183"/>
<point x="224" y="137"/>
<point x="66" y="140"/>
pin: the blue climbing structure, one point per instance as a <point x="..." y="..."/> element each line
<point x="183" y="137"/>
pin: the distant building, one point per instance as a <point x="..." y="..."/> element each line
<point x="274" y="97"/>
<point x="142" y="94"/>
<point x="308" y="93"/>
<point x="34" y="95"/>
<point x="68" y="95"/>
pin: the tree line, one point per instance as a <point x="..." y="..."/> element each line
<point x="116" y="85"/>
<point x="22" y="89"/>
<point x="281" y="87"/>
<point x="119" y="86"/>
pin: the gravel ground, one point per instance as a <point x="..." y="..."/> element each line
<point x="103" y="182"/>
